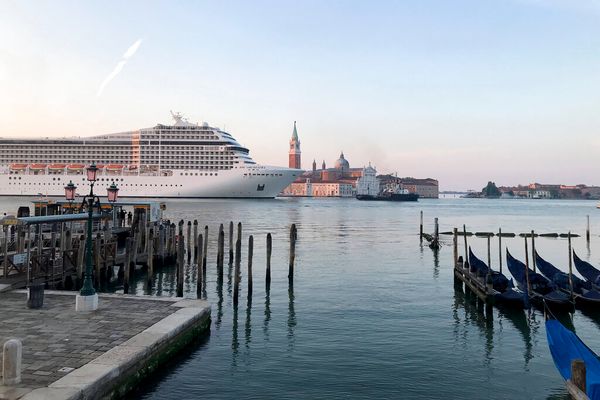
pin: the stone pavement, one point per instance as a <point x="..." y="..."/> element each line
<point x="56" y="340"/>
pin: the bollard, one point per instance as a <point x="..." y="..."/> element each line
<point x="293" y="236"/>
<point x="12" y="353"/>
<point x="35" y="295"/>
<point x="578" y="374"/>
<point x="269" y="249"/>
<point x="250" y="254"/>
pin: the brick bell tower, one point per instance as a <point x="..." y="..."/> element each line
<point x="294" y="156"/>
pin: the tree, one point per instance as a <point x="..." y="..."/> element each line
<point x="491" y="190"/>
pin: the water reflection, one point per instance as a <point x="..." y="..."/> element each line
<point x="219" y="301"/>
<point x="235" y="344"/>
<point x="475" y="313"/>
<point x="519" y="320"/>
<point x="436" y="263"/>
<point x="291" y="322"/>
<point x="267" y="312"/>
<point x="248" y="327"/>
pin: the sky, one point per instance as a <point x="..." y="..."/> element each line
<point x="461" y="91"/>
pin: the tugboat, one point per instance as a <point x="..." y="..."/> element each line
<point x="368" y="188"/>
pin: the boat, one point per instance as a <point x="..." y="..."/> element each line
<point x="583" y="293"/>
<point x="386" y="196"/>
<point x="542" y="290"/>
<point x="183" y="159"/>
<point x="587" y="270"/>
<point x="57" y="166"/>
<point x="505" y="292"/>
<point x="565" y="346"/>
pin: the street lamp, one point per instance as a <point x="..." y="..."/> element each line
<point x="70" y="194"/>
<point x="90" y="200"/>
<point x="112" y="192"/>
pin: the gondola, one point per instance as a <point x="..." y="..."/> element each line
<point x="590" y="273"/>
<point x="565" y="346"/>
<point x="542" y="289"/>
<point x="583" y="293"/>
<point x="506" y="294"/>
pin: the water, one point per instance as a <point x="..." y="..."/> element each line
<point x="372" y="312"/>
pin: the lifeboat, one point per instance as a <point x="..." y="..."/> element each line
<point x="57" y="166"/>
<point x="76" y="166"/>
<point x="115" y="167"/>
<point x="18" y="166"/>
<point x="38" y="166"/>
<point x="100" y="166"/>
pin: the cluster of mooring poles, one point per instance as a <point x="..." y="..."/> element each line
<point x="53" y="254"/>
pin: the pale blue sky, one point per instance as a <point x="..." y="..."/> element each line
<point x="463" y="91"/>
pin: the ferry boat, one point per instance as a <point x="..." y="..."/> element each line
<point x="368" y="188"/>
<point x="185" y="160"/>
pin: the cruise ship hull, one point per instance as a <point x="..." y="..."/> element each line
<point x="249" y="182"/>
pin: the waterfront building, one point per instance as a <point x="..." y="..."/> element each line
<point x="179" y="160"/>
<point x="368" y="184"/>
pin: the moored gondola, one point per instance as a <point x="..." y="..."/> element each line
<point x="583" y="293"/>
<point x="540" y="288"/>
<point x="505" y="293"/>
<point x="587" y="270"/>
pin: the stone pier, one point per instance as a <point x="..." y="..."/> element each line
<point x="91" y="355"/>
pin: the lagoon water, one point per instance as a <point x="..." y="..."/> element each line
<point x="373" y="313"/>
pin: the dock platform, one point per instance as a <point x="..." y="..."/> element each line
<point x="100" y="354"/>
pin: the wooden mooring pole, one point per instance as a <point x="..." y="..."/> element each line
<point x="466" y="246"/>
<point x="200" y="280"/>
<point x="527" y="267"/>
<point x="127" y="264"/>
<point x="587" y="231"/>
<point x="570" y="264"/>
<point x="230" y="242"/>
<point x="421" y="227"/>
<point x="205" y="250"/>
<point x="533" y="254"/>
<point x="189" y="240"/>
<point x="220" y="250"/>
<point x="195" y="237"/>
<point x="150" y="261"/>
<point x="269" y="249"/>
<point x="293" y="236"/>
<point x="250" y="254"/>
<point x="180" y="266"/>
<point x="237" y="274"/>
<point x="500" y="249"/>
<point x="578" y="374"/>
<point x="455" y="246"/>
<point x="489" y="253"/>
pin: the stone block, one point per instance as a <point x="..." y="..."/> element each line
<point x="86" y="303"/>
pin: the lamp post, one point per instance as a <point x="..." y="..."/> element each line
<point x="112" y="193"/>
<point x="70" y="195"/>
<point x="87" y="300"/>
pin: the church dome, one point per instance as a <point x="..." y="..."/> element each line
<point x="342" y="163"/>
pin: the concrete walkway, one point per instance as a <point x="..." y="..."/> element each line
<point x="91" y="355"/>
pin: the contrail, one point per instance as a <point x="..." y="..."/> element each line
<point x="128" y="54"/>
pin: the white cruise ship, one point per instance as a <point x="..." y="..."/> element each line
<point x="180" y="160"/>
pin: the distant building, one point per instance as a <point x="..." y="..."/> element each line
<point x="342" y="179"/>
<point x="368" y="184"/>
<point x="294" y="155"/>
